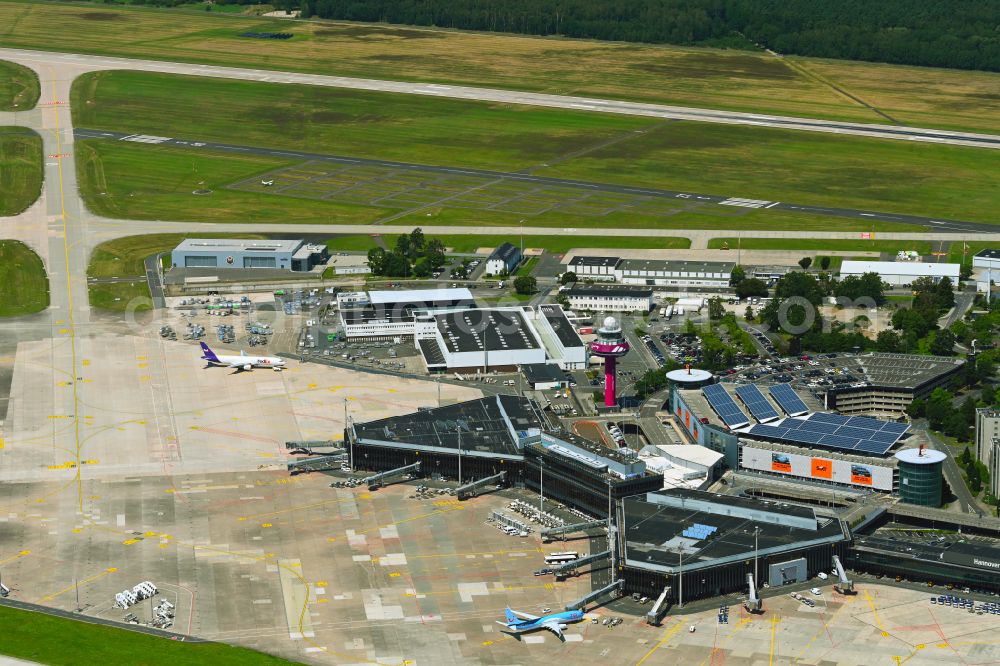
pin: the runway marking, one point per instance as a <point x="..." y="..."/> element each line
<point x="774" y="624"/>
<point x="21" y="554"/>
<point x="878" y="621"/>
<point x="494" y="552"/>
<point x="847" y="602"/>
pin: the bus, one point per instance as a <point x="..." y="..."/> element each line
<point x="561" y="558"/>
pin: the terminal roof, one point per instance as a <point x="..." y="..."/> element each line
<point x="418" y="296"/>
<point x="493" y="330"/>
<point x="568" y="337"/>
<point x="608" y="290"/>
<point x="236" y="245"/>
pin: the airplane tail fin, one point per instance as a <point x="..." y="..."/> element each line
<point x="208" y="354"/>
<point x="511" y="618"/>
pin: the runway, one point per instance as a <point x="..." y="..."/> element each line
<point x="489" y="176"/>
<point x="91" y="62"/>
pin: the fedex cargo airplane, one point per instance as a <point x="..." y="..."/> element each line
<point x="241" y="362"/>
<point x="519" y="623"/>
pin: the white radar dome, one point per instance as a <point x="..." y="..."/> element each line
<point x="610" y="323"/>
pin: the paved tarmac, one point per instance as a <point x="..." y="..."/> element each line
<point x="516" y="97"/>
<point x="589" y="186"/>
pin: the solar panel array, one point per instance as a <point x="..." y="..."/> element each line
<point x="855" y="434"/>
<point x="788" y="399"/>
<point x="756" y="403"/>
<point x="725" y="406"/>
<point x="699" y="531"/>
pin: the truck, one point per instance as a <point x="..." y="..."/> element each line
<point x="585" y="330"/>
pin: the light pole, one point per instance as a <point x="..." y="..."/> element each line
<point x="347" y="434"/>
<point x="680" y="576"/>
<point x="541" y="485"/>
<point x="756" y="582"/>
<point x="459" y="455"/>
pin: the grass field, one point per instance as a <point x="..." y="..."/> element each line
<point x="24" y="287"/>
<point x="968" y="249"/>
<point x="735" y="80"/>
<point x="29" y="635"/>
<point x="821" y="244"/>
<point x="20" y="169"/>
<point x="731" y="160"/>
<point x="135" y="181"/>
<point x="18" y="87"/>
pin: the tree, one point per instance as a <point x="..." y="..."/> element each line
<point x="943" y="343"/>
<point x="824" y="263"/>
<point x="799" y="284"/>
<point x="525" y="284"/>
<point x="805" y="263"/>
<point x="751" y="287"/>
<point x="402" y="247"/>
<point x="965" y="457"/>
<point x="304" y="10"/>
<point x="748" y="315"/>
<point x="917" y="409"/>
<point x="715" y="308"/>
<point x="945" y="294"/>
<point x="568" y="277"/>
<point x="376" y="261"/>
<point x="975" y="479"/>
<point x="423" y="268"/>
<point x="965" y="271"/>
<point x="856" y="287"/>
<point x="737" y="276"/>
<point x="417" y="242"/>
<point x="887" y="341"/>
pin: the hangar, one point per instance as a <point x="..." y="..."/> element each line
<point x="293" y="255"/>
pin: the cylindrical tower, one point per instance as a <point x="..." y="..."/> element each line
<point x="920" y="476"/>
<point x="610" y="345"/>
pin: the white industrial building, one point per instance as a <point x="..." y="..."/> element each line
<point x="504" y="260"/>
<point x="683" y="465"/>
<point x="901" y="273"/>
<point x="654" y="272"/>
<point x="986" y="265"/>
<point x="234" y="253"/>
<point x="388" y="314"/>
<point x="609" y="298"/>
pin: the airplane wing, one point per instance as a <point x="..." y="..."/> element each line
<point x="525" y="616"/>
<point x="554" y="627"/>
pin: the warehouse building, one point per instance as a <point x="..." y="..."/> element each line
<point x="680" y="275"/>
<point x="901" y="273"/>
<point x="609" y="298"/>
<point x="477" y="339"/>
<point x="986" y="265"/>
<point x="892" y="382"/>
<point x="293" y="255"/>
<point x="504" y="260"/>
<point x="713" y="541"/>
<point x="562" y="342"/>
<point x="389" y="314"/>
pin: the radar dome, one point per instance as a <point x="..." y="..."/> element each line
<point x="610" y="323"/>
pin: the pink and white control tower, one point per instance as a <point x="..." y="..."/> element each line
<point x="610" y="345"/>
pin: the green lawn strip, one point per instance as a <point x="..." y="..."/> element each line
<point x="136" y="181"/>
<point x="24" y="286"/>
<point x="340" y="121"/>
<point x="120" y="296"/>
<point x="821" y="244"/>
<point x="18" y="87"/>
<point x="20" y="169"/>
<point x="527" y="267"/>
<point x="968" y="249"/>
<point x="65" y="642"/>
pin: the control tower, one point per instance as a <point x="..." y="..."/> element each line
<point x="609" y="345"/>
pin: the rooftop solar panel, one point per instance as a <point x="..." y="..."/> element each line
<point x="725" y="406"/>
<point x="835" y="431"/>
<point x="788" y="399"/>
<point x="756" y="403"/>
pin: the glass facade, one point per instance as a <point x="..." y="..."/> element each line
<point x="920" y="484"/>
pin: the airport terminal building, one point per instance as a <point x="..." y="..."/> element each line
<point x="293" y="255"/>
<point x="713" y="542"/>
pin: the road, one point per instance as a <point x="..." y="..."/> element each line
<point x="867" y="215"/>
<point x="953" y="475"/>
<point x="515" y="97"/>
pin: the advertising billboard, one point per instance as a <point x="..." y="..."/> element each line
<point x="781" y="463"/>
<point x="822" y="468"/>
<point x="827" y="469"/>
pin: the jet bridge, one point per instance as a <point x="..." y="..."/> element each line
<point x="316" y="464"/>
<point x="569" y="529"/>
<point x="590" y="596"/>
<point x="377" y="480"/>
<point x="843" y="584"/>
<point x="659" y="609"/>
<point x="753" y="603"/>
<point x="310" y="446"/>
<point x="470" y="489"/>
<point x="563" y="569"/>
